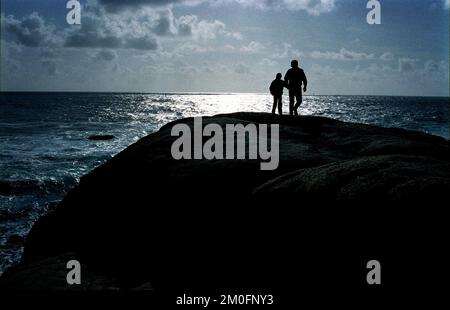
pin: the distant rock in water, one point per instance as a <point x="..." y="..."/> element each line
<point x="101" y="137"/>
<point x="143" y="217"/>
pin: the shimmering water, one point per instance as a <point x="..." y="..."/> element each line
<point x="44" y="147"/>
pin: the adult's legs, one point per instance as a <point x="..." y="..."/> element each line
<point x="291" y="103"/>
<point x="298" y="97"/>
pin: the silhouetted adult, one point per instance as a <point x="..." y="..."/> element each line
<point x="294" y="78"/>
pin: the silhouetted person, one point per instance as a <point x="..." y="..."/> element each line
<point x="276" y="89"/>
<point x="294" y="78"/>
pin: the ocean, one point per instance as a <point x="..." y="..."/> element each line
<point x="44" y="145"/>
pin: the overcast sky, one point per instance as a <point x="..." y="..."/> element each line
<point x="226" y="45"/>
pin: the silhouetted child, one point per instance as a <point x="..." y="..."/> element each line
<point x="276" y="89"/>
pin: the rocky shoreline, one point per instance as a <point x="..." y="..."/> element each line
<point x="144" y="217"/>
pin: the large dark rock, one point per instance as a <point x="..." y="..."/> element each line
<point x="144" y="216"/>
<point x="383" y="177"/>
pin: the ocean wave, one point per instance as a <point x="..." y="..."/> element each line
<point x="162" y="100"/>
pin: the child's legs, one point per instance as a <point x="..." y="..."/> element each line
<point x="280" y="105"/>
<point x="275" y="99"/>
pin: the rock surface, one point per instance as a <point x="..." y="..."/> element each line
<point x="144" y="216"/>
<point x="50" y="274"/>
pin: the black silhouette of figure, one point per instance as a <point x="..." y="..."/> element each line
<point x="294" y="78"/>
<point x="276" y="89"/>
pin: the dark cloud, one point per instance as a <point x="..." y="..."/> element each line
<point x="164" y="24"/>
<point x="140" y="30"/>
<point x="110" y="32"/>
<point x="92" y="40"/>
<point x="31" y="30"/>
<point x="114" y="5"/>
<point x="82" y="40"/>
<point x="102" y="30"/>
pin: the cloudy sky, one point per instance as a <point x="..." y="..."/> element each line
<point x="225" y="45"/>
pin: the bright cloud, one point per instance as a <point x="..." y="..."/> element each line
<point x="343" y="54"/>
<point x="313" y="7"/>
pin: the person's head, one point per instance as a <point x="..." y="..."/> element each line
<point x="279" y="76"/>
<point x="294" y="64"/>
